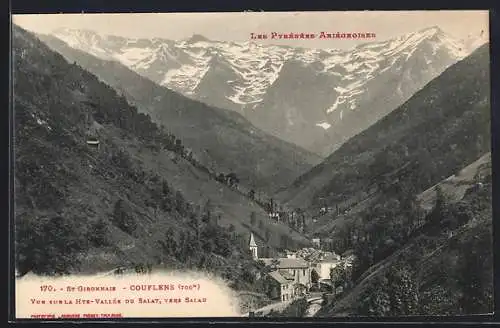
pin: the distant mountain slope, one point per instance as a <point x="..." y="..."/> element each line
<point x="454" y="187"/>
<point x="220" y="139"/>
<point x="315" y="98"/>
<point x="457" y="185"/>
<point x="135" y="200"/>
<point x="442" y="128"/>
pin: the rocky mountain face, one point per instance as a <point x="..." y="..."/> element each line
<point x="315" y="98"/>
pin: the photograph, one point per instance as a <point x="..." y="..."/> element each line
<point x="300" y="164"/>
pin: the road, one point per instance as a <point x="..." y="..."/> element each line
<point x="263" y="311"/>
<point x="313" y="308"/>
<point x="314" y="296"/>
<point x="314" y="300"/>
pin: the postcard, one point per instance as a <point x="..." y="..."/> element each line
<point x="252" y="164"/>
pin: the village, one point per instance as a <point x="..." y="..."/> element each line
<point x="310" y="273"/>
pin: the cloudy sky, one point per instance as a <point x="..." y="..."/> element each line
<point x="238" y="26"/>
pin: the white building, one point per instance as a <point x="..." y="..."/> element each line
<point x="324" y="266"/>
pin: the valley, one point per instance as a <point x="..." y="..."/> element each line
<point x="314" y="182"/>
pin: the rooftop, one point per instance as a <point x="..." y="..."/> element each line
<point x="286" y="263"/>
<point x="331" y="258"/>
<point x="252" y="241"/>
<point x="278" y="277"/>
<point x="287" y="275"/>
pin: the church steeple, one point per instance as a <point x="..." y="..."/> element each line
<point x="253" y="247"/>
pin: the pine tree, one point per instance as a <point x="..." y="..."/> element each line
<point x="122" y="219"/>
<point x="440" y="211"/>
<point x="170" y="243"/>
<point x="98" y="235"/>
<point x="207" y="212"/>
<point x="165" y="188"/>
<point x="475" y="276"/>
<point x="374" y="300"/>
<point x="180" y="203"/>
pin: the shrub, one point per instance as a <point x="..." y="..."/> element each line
<point x="123" y="219"/>
<point x="48" y="245"/>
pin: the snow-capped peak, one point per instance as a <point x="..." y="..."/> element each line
<point x="323" y="90"/>
<point x="252" y="68"/>
<point x="432" y="30"/>
<point x="197" y="38"/>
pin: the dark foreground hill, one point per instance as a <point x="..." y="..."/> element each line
<point x="221" y="139"/>
<point x="137" y="199"/>
<point x="444" y="268"/>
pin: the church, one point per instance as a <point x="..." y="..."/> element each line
<point x="253" y="247"/>
<point x="287" y="278"/>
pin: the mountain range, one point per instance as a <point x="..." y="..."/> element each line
<point x="314" y="98"/>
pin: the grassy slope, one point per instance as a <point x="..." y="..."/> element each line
<point x="454" y="187"/>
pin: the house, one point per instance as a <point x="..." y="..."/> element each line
<point x="348" y="258"/>
<point x="311" y="255"/>
<point x="279" y="287"/>
<point x="293" y="268"/>
<point x="275" y="216"/>
<point x="324" y="266"/>
<point x="93" y="143"/>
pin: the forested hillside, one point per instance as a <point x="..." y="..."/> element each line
<point x="442" y="265"/>
<point x="129" y="202"/>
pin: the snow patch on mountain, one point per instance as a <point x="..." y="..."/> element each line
<point x="133" y="55"/>
<point x="182" y="65"/>
<point x="324" y="125"/>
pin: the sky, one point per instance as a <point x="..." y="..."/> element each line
<point x="238" y="26"/>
